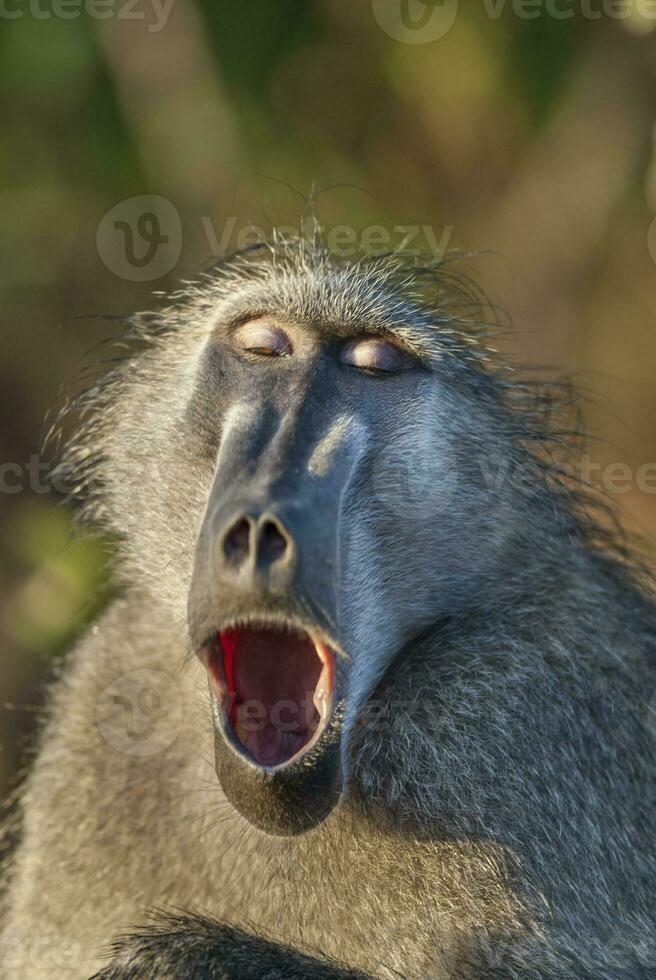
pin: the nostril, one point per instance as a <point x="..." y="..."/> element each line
<point x="256" y="542"/>
<point x="236" y="542"/>
<point x="272" y="542"/>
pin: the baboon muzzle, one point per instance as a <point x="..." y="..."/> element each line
<point x="264" y="605"/>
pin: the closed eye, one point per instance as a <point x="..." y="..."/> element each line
<point x="376" y="355"/>
<point x="263" y="338"/>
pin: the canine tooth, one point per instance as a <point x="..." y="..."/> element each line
<point x="321" y="693"/>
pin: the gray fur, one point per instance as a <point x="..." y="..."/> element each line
<point x="183" y="946"/>
<point x="498" y="819"/>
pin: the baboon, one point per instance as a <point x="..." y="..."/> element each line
<point x="377" y="695"/>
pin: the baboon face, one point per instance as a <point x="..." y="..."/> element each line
<point x="335" y="530"/>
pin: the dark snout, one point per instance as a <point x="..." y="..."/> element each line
<point x="257" y="546"/>
<point x="263" y="550"/>
<point x="275" y="557"/>
<point x="263" y="610"/>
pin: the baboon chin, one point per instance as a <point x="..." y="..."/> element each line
<point x="376" y="695"/>
<point x="276" y="729"/>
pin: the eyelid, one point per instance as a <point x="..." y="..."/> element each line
<point x="263" y="336"/>
<point x="376" y="354"/>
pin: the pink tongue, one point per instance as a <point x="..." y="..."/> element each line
<point x="270" y="746"/>
<point x="274" y="676"/>
<point x="278" y="674"/>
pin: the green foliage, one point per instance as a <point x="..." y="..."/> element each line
<point x="542" y="54"/>
<point x="63" y="576"/>
<point x="251" y="39"/>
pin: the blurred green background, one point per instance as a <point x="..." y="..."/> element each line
<point x="527" y="139"/>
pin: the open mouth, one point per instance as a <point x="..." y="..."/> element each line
<point x="275" y="688"/>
